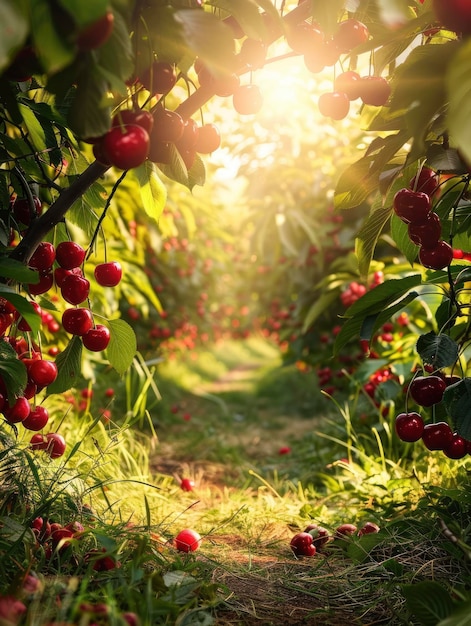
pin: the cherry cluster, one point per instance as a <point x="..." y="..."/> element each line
<point x="413" y="205"/>
<point x="427" y="391"/>
<point x="355" y="290"/>
<point x="314" y="538"/>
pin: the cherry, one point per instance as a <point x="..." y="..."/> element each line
<point x="187" y="540"/>
<point x="302" y="544"/>
<point x="97" y="33"/>
<point x="374" y="90"/>
<point x="186" y="484"/>
<point x="350" y="34"/>
<point x="77" y="321"/>
<point x="208" y="140"/>
<point x="168" y="127"/>
<point x="305" y="38"/>
<point x="37" y="418"/>
<point x="426" y="234"/>
<point x="412" y="206"/>
<point x="55" y="445"/>
<point x="43" y="257"/>
<point x="247" y="99"/>
<point x="335" y="105"/>
<point x="23" y="212"/>
<point x="17" y="412"/>
<point x="320" y="535"/>
<point x="457" y="448"/>
<point x="69" y="255"/>
<point x="409" y="426"/>
<point x="437" y="436"/>
<point x="455" y="15"/>
<point x="42" y="372"/>
<point x="23" y="66"/>
<point x="22" y="323"/>
<point x="425" y="180"/>
<point x="253" y="53"/>
<point x="75" y="289"/>
<point x="189" y="136"/>
<point x="126" y="147"/>
<point x="38" y="442"/>
<point x="160" y="152"/>
<point x="427" y="390"/>
<point x="6" y="321"/>
<point x="108" y="274"/>
<point x="368" y="528"/>
<point x="46" y="281"/>
<point x="438" y="257"/>
<point x="97" y="339"/>
<point x="145" y="119"/>
<point x="160" y="78"/>
<point x="348" y="83"/>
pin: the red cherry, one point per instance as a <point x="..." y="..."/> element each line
<point x="43" y="257"/>
<point x="38" y="442"/>
<point x="186" y="484"/>
<point x="168" y="127"/>
<point x="412" y="206"/>
<point x="75" y="289"/>
<point x="126" y="147"/>
<point x="46" y="281"/>
<point x="409" y="426"/>
<point x="455" y="15"/>
<point x="97" y="339"/>
<point x="160" y="78"/>
<point x="350" y="34"/>
<point x="320" y="536"/>
<point x="187" y="540"/>
<point x="437" y="436"/>
<point x="55" y="445"/>
<point x="302" y="544"/>
<point x="108" y="274"/>
<point x="145" y="119"/>
<point x="436" y="258"/>
<point x="427" y="390"/>
<point x="208" y="140"/>
<point x="374" y="90"/>
<point x="42" y="373"/>
<point x="23" y="212"/>
<point x="22" y="323"/>
<point x="253" y="53"/>
<point x="189" y="137"/>
<point x="426" y="234"/>
<point x="17" y="412"/>
<point x="426" y="180"/>
<point x="305" y="38"/>
<point x="247" y="99"/>
<point x="457" y="448"/>
<point x="77" y="321"/>
<point x="348" y="83"/>
<point x="334" y="104"/>
<point x="368" y="529"/>
<point x="160" y="152"/>
<point x="69" y="255"/>
<point x="97" y="33"/>
<point x="345" y="530"/>
<point x="37" y="418"/>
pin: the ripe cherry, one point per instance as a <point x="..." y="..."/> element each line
<point x="145" y="119"/>
<point x="69" y="255"/>
<point x="253" y="53"/>
<point x="108" y="274"/>
<point x="438" y="257"/>
<point x="335" y="105"/>
<point x="426" y="180"/>
<point x="350" y="34"/>
<point x="23" y="212"/>
<point x="42" y="372"/>
<point x="38" y="442"/>
<point x="305" y="38"/>
<point x="18" y="411"/>
<point x="77" y="321"/>
<point x="302" y="544"/>
<point x="374" y="90"/>
<point x="97" y="339"/>
<point x="46" y="281"/>
<point x="189" y="136"/>
<point x="412" y="206"/>
<point x="426" y="234"/>
<point x="37" y="418"/>
<point x="457" y="448"/>
<point x="187" y="484"/>
<point x="437" y="436"/>
<point x="209" y="139"/>
<point x="160" y="152"/>
<point x="126" y="147"/>
<point x="247" y="99"/>
<point x="160" y="78"/>
<point x="454" y="15"/>
<point x="55" y="445"/>
<point x="409" y="426"/>
<point x="168" y="127"/>
<point x="97" y="33"/>
<point x="345" y="530"/>
<point x="427" y="390"/>
<point x="75" y="289"/>
<point x="368" y="528"/>
<point x="320" y="535"/>
<point x="187" y="540"/>
<point x="43" y="257"/>
<point x="348" y="83"/>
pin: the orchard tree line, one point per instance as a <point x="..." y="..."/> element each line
<point x="94" y="94"/>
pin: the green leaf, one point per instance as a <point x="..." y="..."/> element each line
<point x="23" y="306"/>
<point x="458" y="87"/>
<point x="368" y="236"/>
<point x="10" y="268"/>
<point x="52" y="47"/>
<point x="13" y="371"/>
<point x="320" y="306"/>
<point x="13" y="17"/>
<point x="153" y="191"/>
<point x="89" y="115"/>
<point x="457" y="399"/>
<point x="400" y="235"/>
<point x="122" y="347"/>
<point x="372" y="323"/>
<point x="85" y="13"/>
<point x="197" y="173"/>
<point x="360" y="549"/>
<point x="437" y="350"/>
<point x="116" y="55"/>
<point x="378" y="298"/>
<point x="247" y="15"/>
<point x="428" y="601"/>
<point x="35" y="130"/>
<point x="459" y="616"/>
<point x="69" y="365"/>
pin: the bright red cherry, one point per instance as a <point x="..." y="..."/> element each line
<point x="38" y="442"/>
<point x="374" y="90"/>
<point x="18" y="411"/>
<point x="126" y="147"/>
<point x="43" y="257"/>
<point x="412" y="206"/>
<point x="437" y="436"/>
<point x="23" y="212"/>
<point x="335" y="105"/>
<point x="145" y="119"/>
<point x="348" y="83"/>
<point x="42" y="373"/>
<point x="426" y="234"/>
<point x="97" y="33"/>
<point x="409" y="426"/>
<point x="46" y="281"/>
<point x="37" y="418"/>
<point x="457" y="448"/>
<point x="69" y="255"/>
<point x="436" y="258"/>
<point x="55" y="445"/>
<point x="77" y="321"/>
<point x="97" y="339"/>
<point x="75" y="289"/>
<point x="427" y="390"/>
<point x="187" y="540"/>
<point x="108" y="274"/>
<point x="350" y="34"/>
<point x="247" y="99"/>
<point x="209" y="139"/>
<point x="302" y="544"/>
<point x="186" y="484"/>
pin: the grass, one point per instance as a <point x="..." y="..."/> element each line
<point x="223" y="420"/>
